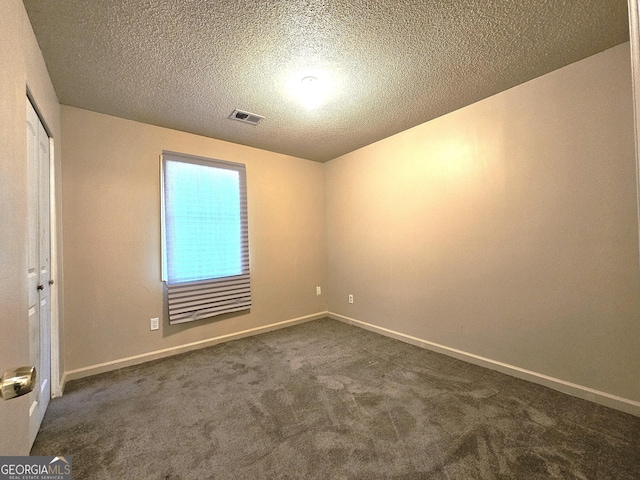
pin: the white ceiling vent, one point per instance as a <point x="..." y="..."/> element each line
<point x="245" y="117"/>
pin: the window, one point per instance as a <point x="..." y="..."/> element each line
<point x="205" y="237"/>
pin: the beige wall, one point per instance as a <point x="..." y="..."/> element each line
<point x="22" y="67"/>
<point x="507" y="229"/>
<point x="111" y="218"/>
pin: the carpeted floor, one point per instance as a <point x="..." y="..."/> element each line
<point x="325" y="400"/>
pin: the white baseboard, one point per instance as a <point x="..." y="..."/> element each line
<point x="59" y="386"/>
<point x="167" y="352"/>
<point x="60" y="390"/>
<point x="579" y="391"/>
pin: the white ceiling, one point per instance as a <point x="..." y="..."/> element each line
<point x="187" y="64"/>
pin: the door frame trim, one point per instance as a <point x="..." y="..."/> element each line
<point x="634" y="40"/>
<point x="56" y="384"/>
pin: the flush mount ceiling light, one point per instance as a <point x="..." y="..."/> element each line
<point x="312" y="91"/>
<point x="308" y="82"/>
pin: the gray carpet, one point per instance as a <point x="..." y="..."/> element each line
<point x="324" y="400"/>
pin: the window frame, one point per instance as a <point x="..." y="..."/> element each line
<point x="204" y="298"/>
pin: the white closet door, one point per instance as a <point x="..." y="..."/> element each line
<point x="39" y="268"/>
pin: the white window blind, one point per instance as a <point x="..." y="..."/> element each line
<point x="205" y="237"/>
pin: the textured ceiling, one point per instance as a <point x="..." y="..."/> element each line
<point x="186" y="64"/>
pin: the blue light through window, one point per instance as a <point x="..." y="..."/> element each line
<point x="203" y="236"/>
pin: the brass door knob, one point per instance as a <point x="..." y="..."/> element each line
<point x="17" y="382"/>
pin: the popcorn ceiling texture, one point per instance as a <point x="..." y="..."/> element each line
<point x="187" y="64"/>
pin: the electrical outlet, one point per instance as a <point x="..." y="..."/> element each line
<point x="318" y="291"/>
<point x="155" y="323"/>
<point x="350" y="298"/>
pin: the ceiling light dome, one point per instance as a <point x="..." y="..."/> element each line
<point x="312" y="91"/>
